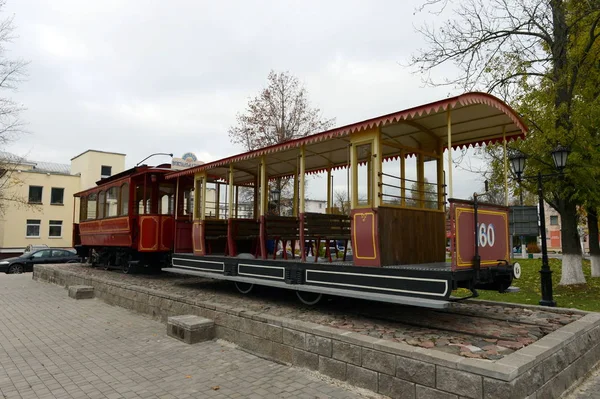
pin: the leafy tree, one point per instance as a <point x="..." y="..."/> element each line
<point x="341" y="201"/>
<point x="429" y="195"/>
<point x="279" y="113"/>
<point x="543" y="56"/>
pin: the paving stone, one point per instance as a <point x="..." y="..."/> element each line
<point x="53" y="347"/>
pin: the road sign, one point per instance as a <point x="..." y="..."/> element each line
<point x="524" y="221"/>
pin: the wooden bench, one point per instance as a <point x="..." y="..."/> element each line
<point x="214" y="229"/>
<point x="317" y="227"/>
<point x="280" y="228"/>
<point x="243" y="229"/>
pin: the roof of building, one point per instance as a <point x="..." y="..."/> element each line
<point x="39" y="167"/>
<point x="101" y="152"/>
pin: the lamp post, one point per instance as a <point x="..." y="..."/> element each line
<point x="151" y="155"/>
<point x="559" y="156"/>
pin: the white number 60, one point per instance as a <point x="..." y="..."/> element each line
<point x="486" y="235"/>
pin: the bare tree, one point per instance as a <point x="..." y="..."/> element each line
<point x="281" y="112"/>
<point x="12" y="72"/>
<point x="340" y="200"/>
<point x="543" y="56"/>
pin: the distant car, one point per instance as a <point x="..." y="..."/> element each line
<point x="32" y="248"/>
<point x="25" y="262"/>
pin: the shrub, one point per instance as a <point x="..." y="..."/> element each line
<point x="533" y="248"/>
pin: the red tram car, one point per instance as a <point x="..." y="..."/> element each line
<point x="132" y="220"/>
<point x="215" y="220"/>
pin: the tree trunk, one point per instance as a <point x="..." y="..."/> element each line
<point x="572" y="267"/>
<point x="592" y="220"/>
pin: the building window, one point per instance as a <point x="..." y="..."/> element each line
<point x="35" y="194"/>
<point x="91" y="206"/>
<point x="105" y="171"/>
<point x="33" y="227"/>
<point x="55" y="228"/>
<point x="57" y="196"/>
<point x="553" y="220"/>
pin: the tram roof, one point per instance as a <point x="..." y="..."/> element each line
<point x="476" y="118"/>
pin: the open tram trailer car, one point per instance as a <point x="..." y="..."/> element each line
<point x="396" y="225"/>
<point x="128" y="220"/>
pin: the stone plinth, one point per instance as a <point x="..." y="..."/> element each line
<point x="191" y="329"/>
<point x="81" y="291"/>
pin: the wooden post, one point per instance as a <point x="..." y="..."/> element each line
<point x="354" y="173"/>
<point x="449" y="126"/>
<point x="301" y="180"/>
<point x="264" y="187"/>
<point x="403" y="177"/>
<point x="421" y="179"/>
<point x="237" y="200"/>
<point x="203" y="198"/>
<point x="377" y="167"/>
<point x="329" y="190"/>
<point x="295" y="202"/>
<point x="440" y="177"/>
<point x="505" y="167"/>
<point x="231" y="190"/>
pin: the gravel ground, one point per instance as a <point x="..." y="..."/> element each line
<point x="468" y="329"/>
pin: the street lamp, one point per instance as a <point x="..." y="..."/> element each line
<point x="275" y="196"/>
<point x="559" y="156"/>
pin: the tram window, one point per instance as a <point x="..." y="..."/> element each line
<point x="363" y="170"/>
<point x="124" y="199"/>
<point x="431" y="184"/>
<point x="83" y="209"/>
<point x="91" y="206"/>
<point x="101" y="204"/>
<point x="188" y="206"/>
<point x="112" y="202"/>
<point x="411" y="184"/>
<point x="166" y="202"/>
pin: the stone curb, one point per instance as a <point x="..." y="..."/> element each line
<point x="548" y="367"/>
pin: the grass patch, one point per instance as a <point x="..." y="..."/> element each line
<point x="584" y="296"/>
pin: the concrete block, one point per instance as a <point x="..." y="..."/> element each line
<point x="294" y="338"/>
<point x="430" y="393"/>
<point x="395" y="387"/>
<point x="379" y="361"/>
<point x="190" y="329"/>
<point x="459" y="382"/>
<point x="555" y="364"/>
<point x="362" y="377"/>
<point x="281" y="353"/>
<point x="305" y="359"/>
<point x="332" y="368"/>
<point x="81" y="291"/>
<point x="346" y="352"/>
<point x="317" y="344"/>
<point x="416" y="371"/>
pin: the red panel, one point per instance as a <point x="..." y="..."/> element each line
<point x="183" y="237"/>
<point x="492" y="233"/>
<point x="167" y="233"/>
<point x="114" y="232"/>
<point x="364" y="237"/>
<point x="149" y="228"/>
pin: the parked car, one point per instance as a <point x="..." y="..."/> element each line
<point x="25" y="262"/>
<point x="31" y="247"/>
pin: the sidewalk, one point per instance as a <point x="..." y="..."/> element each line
<point x="52" y="346"/>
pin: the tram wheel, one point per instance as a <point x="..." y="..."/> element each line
<point x="243" y="288"/>
<point x="309" y="298"/>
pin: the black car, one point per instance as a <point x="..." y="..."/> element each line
<point x="25" y="262"/>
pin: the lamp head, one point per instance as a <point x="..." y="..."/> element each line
<point x="559" y="156"/>
<point x="517" y="161"/>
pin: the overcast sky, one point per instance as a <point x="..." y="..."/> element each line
<point x="145" y="76"/>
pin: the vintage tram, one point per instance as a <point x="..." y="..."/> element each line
<point x="400" y="197"/>
<point x="128" y="221"/>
